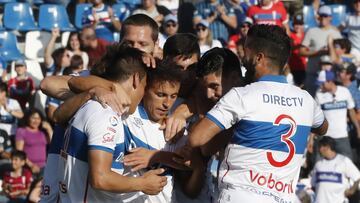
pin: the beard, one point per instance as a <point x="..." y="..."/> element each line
<point x="249" y="65"/>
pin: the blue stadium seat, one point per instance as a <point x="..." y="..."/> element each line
<point x="80" y="8"/>
<point x="8" y="48"/>
<point x="338" y="14"/>
<point x="121" y="10"/>
<point x="309" y="17"/>
<point x="54" y="15"/>
<point x="6" y="1"/>
<point x="19" y="16"/>
<point x="132" y="4"/>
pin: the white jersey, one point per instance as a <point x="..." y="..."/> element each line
<point x="8" y="122"/>
<point x="272" y="121"/>
<point x="335" y="109"/>
<point x="141" y="132"/>
<point x="92" y="128"/>
<point x="331" y="178"/>
<point x="50" y="184"/>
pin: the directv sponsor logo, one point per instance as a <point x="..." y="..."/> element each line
<point x="283" y="101"/>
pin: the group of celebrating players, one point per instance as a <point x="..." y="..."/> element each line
<point x="139" y="129"/>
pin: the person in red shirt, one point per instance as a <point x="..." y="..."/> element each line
<point x="242" y="29"/>
<point x="268" y="12"/>
<point x="16" y="183"/>
<point x="21" y="87"/>
<point x="297" y="63"/>
<point x="94" y="47"/>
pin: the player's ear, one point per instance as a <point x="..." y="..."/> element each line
<point x="136" y="80"/>
<point x="259" y="57"/>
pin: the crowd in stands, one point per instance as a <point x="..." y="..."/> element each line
<point x="325" y="61"/>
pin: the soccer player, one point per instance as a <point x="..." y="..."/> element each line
<point x="94" y="143"/>
<point x="271" y="120"/>
<point x="331" y="174"/>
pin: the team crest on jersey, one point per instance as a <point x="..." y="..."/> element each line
<point x="138" y="122"/>
<point x="108" y="137"/>
<point x="113" y="121"/>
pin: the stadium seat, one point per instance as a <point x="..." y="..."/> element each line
<point x="121" y="10"/>
<point x="65" y="38"/>
<point x="19" y="16"/>
<point x="132" y="4"/>
<point x="35" y="43"/>
<point x="6" y="1"/>
<point x="80" y="8"/>
<point x="54" y="16"/>
<point x="8" y="47"/>
<point x="40" y="101"/>
<point x="338" y="14"/>
<point x="309" y="17"/>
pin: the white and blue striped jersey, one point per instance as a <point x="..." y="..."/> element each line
<point x="272" y="121"/>
<point x="140" y="131"/>
<point x="92" y="128"/>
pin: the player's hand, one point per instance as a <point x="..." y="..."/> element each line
<point x="152" y="182"/>
<point x="173" y="126"/>
<point x="55" y="32"/>
<point x="117" y="98"/>
<point x="139" y="158"/>
<point x="149" y="60"/>
<point x="158" y="52"/>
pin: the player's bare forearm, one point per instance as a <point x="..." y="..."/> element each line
<point x="102" y="178"/>
<point x="167" y="158"/>
<point x="202" y="132"/>
<point x="82" y="84"/>
<point x="322" y="129"/>
<point x="56" y="87"/>
<point x="217" y="143"/>
<point x="67" y="109"/>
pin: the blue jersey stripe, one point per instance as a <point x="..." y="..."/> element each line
<point x="78" y="145"/>
<point x="216" y="121"/>
<point x="57" y="140"/>
<point x="102" y="148"/>
<point x="265" y="135"/>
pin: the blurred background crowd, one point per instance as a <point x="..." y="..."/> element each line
<point x="40" y="38"/>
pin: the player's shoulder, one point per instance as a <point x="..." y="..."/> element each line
<point x="93" y="109"/>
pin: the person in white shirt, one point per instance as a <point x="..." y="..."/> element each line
<point x="333" y="174"/>
<point x="336" y="102"/>
<point x="271" y="119"/>
<point x="91" y="168"/>
<point x="206" y="40"/>
<point x="10" y="111"/>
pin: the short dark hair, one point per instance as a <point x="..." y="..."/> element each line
<point x="76" y="61"/>
<point x="327" y="141"/>
<point x="119" y="63"/>
<point x="3" y="87"/>
<point x="184" y="44"/>
<point x="140" y="20"/>
<point x="165" y="71"/>
<point x="344" y="43"/>
<point x="219" y="61"/>
<point x="271" y="40"/>
<point x="19" y="154"/>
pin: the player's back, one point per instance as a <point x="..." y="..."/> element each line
<point x="91" y="119"/>
<point x="272" y="122"/>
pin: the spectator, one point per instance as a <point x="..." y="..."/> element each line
<point x="331" y="175"/>
<point x="16" y="183"/>
<point x="21" y="87"/>
<point x="56" y="61"/>
<point x="297" y="63"/>
<point x="266" y="12"/>
<point x="10" y="111"/>
<point x="149" y="8"/>
<point x="336" y="103"/>
<point x="340" y="51"/>
<point x="76" y="66"/>
<point x="219" y="18"/>
<point x="172" y="5"/>
<point x="102" y="18"/>
<point x="240" y="51"/>
<point x="74" y="47"/>
<point x="294" y="7"/>
<point x="5" y="149"/>
<point x="169" y="27"/>
<point x="352" y="24"/>
<point x="33" y="138"/>
<point x="94" y="47"/>
<point x="206" y="40"/>
<point x="314" y="46"/>
<point x="242" y="32"/>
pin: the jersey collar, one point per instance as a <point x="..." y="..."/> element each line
<point x="273" y="78"/>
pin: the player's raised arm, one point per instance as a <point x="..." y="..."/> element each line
<point x="322" y="129"/>
<point x="203" y="132"/>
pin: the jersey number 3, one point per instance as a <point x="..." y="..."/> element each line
<point x="285" y="138"/>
